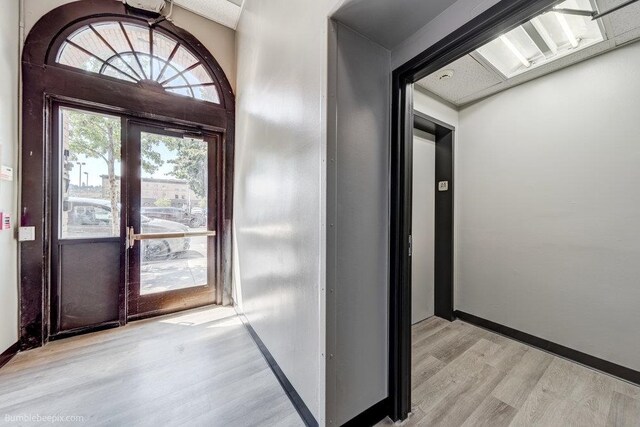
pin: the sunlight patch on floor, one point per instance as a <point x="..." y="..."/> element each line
<point x="201" y="317"/>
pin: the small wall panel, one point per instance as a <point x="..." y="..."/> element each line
<point x="89" y="284"/>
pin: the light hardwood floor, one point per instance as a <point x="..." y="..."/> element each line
<point x="466" y="376"/>
<point x="198" y="368"/>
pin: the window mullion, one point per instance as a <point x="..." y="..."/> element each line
<point x="115" y="52"/>
<point x="135" y="54"/>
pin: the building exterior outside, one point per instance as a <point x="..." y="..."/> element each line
<point x="161" y="192"/>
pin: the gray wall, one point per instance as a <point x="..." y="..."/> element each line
<point x="279" y="188"/>
<point x="448" y="21"/>
<point x="549" y="205"/>
<point x="357" y="213"/>
<point x="9" y="68"/>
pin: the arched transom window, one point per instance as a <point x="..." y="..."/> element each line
<point x="138" y="54"/>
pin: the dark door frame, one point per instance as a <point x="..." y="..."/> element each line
<point x="46" y="82"/>
<point x="142" y="306"/>
<point x="504" y="16"/>
<point x="53" y="314"/>
<point x="443" y="233"/>
<point x="170" y="301"/>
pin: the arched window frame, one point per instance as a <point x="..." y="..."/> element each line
<point x="67" y="34"/>
<point x="46" y="83"/>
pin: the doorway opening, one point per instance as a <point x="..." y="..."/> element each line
<point x="431" y="218"/>
<point x="504" y="16"/>
<point x="128" y="140"/>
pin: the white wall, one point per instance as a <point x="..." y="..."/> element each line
<point x="217" y="38"/>
<point x="280" y="183"/>
<point x="549" y="229"/>
<point x="9" y="68"/>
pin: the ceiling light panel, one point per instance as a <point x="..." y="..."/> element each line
<point x="544" y="39"/>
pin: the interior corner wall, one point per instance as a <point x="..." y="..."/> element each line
<point x="358" y="217"/>
<point x="217" y="38"/>
<point x="550" y="209"/>
<point x="9" y="70"/>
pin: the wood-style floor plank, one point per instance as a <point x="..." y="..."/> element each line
<point x="466" y="376"/>
<point x="198" y="368"/>
<point x="624" y="411"/>
<point x="491" y="412"/>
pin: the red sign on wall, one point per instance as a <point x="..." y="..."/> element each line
<point x="5" y="221"/>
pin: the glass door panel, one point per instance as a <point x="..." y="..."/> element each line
<point x="173" y="199"/>
<point x="172" y="227"/>
<point x="134" y="230"/>
<point x="89" y="175"/>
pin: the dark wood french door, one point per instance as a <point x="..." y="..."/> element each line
<point x="134" y="229"/>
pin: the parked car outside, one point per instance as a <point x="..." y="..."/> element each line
<point x="92" y="218"/>
<point x="192" y="219"/>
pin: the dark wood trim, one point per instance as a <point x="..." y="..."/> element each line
<point x="65" y="20"/>
<point x="304" y="412"/>
<point x="84" y="330"/>
<point x="9" y="353"/>
<point x="371" y="416"/>
<point x="46" y="83"/>
<point x="501" y="17"/>
<point x="602" y="365"/>
<point x="164" y="311"/>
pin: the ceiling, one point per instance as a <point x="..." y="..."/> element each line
<point x="225" y="12"/>
<point x="474" y="78"/>
<point x="389" y="22"/>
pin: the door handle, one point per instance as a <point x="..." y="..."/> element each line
<point x="132" y="236"/>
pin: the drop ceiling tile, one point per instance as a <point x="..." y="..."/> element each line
<point x="559" y="64"/>
<point x="623" y="20"/>
<point x="469" y="77"/>
<point x="474" y="80"/>
<point x="225" y="12"/>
